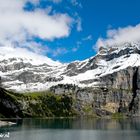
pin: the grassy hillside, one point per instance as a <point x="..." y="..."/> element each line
<point x="37" y="104"/>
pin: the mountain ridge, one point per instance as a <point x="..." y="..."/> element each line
<point x="23" y="72"/>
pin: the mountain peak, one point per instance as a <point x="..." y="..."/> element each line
<point x="25" y="71"/>
<point x="25" y="55"/>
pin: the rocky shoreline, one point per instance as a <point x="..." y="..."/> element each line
<point x="6" y="123"/>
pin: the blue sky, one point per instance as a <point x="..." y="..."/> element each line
<point x="96" y="17"/>
<point x="89" y="22"/>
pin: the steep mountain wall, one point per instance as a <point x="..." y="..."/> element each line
<point x="118" y="93"/>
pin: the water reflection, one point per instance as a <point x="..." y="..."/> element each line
<point x="75" y="129"/>
<point x="85" y="123"/>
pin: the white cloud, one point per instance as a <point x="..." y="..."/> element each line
<point x="79" y="24"/>
<point x="76" y="3"/>
<point x="89" y="37"/>
<point x="58" y="51"/>
<point x="75" y="49"/>
<point x="120" y="36"/>
<point x="19" y="25"/>
<point x="79" y="43"/>
<point x="32" y="1"/>
<point x="56" y="1"/>
<point x="36" y="47"/>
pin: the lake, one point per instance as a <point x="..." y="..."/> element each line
<point x="74" y="129"/>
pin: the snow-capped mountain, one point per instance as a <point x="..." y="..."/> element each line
<point x="22" y="70"/>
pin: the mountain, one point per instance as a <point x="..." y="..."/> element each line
<point x="107" y="84"/>
<point x="22" y="70"/>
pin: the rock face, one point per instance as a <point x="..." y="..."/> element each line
<point x="103" y="101"/>
<point x="122" y="79"/>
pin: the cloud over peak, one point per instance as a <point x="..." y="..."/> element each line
<point x="120" y="36"/>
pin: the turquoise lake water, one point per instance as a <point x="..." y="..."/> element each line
<point x="73" y="129"/>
